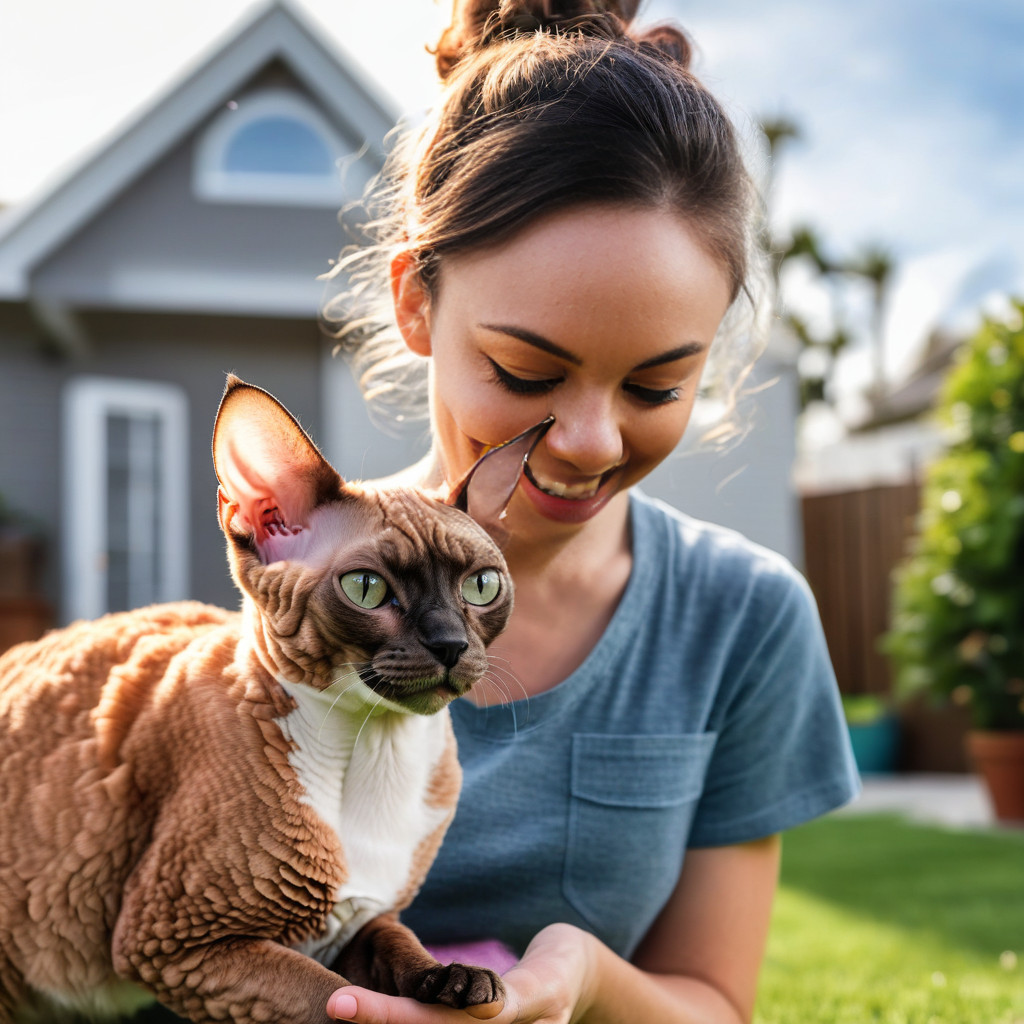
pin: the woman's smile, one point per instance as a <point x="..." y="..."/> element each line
<point x="566" y="503"/>
<point x="572" y="492"/>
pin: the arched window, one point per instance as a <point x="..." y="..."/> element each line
<point x="271" y="146"/>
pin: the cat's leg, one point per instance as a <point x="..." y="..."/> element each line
<point x="246" y="981"/>
<point x="386" y="956"/>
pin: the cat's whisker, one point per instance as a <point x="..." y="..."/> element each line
<point x="495" y="686"/>
<point x="495" y="681"/>
<point x="334" y="703"/>
<point x="355" y="669"/>
<point x="505" y="698"/>
<point x="366" y="718"/>
<point x="492" y="659"/>
<point x="501" y="679"/>
<point x="357" y="665"/>
<point x="507" y="673"/>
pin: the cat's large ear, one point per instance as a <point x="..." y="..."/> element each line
<point x="271" y="474"/>
<point x="485" y="491"/>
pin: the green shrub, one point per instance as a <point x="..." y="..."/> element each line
<point x="958" y="602"/>
<point x="864" y="708"/>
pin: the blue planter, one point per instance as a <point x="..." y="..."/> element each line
<point x="876" y="745"/>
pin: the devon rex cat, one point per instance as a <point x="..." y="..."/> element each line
<point x="226" y="810"/>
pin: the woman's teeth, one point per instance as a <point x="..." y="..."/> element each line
<point x="574" y="492"/>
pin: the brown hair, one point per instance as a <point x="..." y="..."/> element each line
<point x="552" y="103"/>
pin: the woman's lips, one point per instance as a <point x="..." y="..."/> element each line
<point x="576" y="503"/>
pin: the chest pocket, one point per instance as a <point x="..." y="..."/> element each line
<point x="632" y="804"/>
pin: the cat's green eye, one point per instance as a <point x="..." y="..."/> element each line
<point x="364" y="588"/>
<point x="482" y="587"/>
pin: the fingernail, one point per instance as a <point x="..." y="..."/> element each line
<point x="342" y="1006"/>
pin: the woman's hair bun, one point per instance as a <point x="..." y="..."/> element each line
<point x="669" y="40"/>
<point x="477" y="23"/>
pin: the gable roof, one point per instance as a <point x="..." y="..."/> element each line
<point x="31" y="231"/>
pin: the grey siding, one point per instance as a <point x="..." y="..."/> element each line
<point x="213" y="255"/>
<point x="194" y="353"/>
<point x="30" y="435"/>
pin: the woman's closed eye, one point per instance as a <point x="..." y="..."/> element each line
<point x="652" y="396"/>
<point x="521" y="385"/>
<point x="540" y="386"/>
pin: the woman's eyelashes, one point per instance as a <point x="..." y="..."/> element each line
<point x="652" y="396"/>
<point x="521" y="385"/>
<point x="530" y="386"/>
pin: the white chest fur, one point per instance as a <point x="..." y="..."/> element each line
<point x="367" y="775"/>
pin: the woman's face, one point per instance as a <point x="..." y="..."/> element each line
<point x="601" y="316"/>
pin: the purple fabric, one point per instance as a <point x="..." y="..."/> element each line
<point x="482" y="953"/>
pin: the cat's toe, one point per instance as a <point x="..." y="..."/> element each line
<point x="459" y="986"/>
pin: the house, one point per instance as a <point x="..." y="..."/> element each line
<point x="191" y="245"/>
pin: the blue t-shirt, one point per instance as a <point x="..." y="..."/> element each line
<point x="707" y="714"/>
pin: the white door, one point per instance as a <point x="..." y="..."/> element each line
<point x="125" y="495"/>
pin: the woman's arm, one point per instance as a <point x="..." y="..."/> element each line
<point x="698" y="963"/>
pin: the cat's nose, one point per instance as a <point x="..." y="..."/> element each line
<point x="443" y="633"/>
<point x="447" y="652"/>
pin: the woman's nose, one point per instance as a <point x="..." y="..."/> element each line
<point x="586" y="435"/>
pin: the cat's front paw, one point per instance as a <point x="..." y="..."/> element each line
<point x="459" y="986"/>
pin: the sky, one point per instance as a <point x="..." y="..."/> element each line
<point x="911" y="115"/>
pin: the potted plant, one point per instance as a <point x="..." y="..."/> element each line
<point x="874" y="732"/>
<point x="957" y="628"/>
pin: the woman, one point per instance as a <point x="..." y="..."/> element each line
<point x="576" y="238"/>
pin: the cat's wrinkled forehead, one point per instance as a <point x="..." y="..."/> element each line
<point x="414" y="524"/>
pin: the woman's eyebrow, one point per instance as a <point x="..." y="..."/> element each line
<point x="536" y="340"/>
<point x="691" y="348"/>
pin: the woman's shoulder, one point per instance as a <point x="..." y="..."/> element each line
<point x="709" y="558"/>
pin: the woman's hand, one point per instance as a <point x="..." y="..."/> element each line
<point x="697" y="964"/>
<point x="550" y="985"/>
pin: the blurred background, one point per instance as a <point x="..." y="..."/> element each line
<point x="169" y="177"/>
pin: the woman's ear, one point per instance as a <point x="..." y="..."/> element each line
<point x="412" y="304"/>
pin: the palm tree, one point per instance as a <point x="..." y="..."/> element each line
<point x="805" y="241"/>
<point x="777" y="130"/>
<point x="875" y="264"/>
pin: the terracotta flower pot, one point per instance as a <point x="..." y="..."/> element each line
<point x="999" y="759"/>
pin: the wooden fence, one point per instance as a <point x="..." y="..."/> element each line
<point x="852" y="542"/>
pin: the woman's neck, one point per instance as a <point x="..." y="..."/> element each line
<point x="566" y="594"/>
<point x="580" y="554"/>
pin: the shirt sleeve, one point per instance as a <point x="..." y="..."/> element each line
<point x="782" y="752"/>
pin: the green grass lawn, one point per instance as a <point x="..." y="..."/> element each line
<point x="881" y="920"/>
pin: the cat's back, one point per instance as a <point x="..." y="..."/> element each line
<point x="67" y="697"/>
<point x="66" y="671"/>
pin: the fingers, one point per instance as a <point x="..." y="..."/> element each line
<point x="365" y="1007"/>
<point x="485" y="1011"/>
<point x="342" y="1005"/>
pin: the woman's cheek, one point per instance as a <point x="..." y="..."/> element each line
<point x="486" y="415"/>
